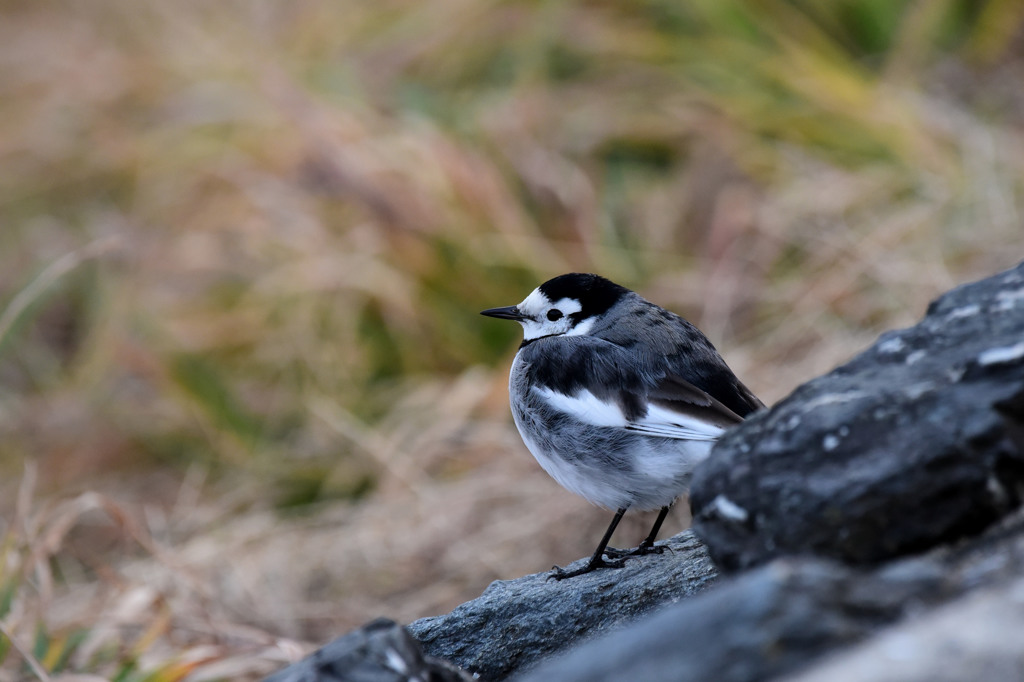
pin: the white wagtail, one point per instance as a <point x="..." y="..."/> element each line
<point x="617" y="398"/>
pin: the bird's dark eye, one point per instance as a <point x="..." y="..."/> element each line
<point x="554" y="314"/>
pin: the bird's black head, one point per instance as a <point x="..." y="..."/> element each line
<point x="568" y="304"/>
<point x="595" y="293"/>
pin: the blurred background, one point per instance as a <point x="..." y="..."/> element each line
<point x="247" y="402"/>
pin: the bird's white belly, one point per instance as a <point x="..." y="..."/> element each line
<point x="661" y="470"/>
<point x="601" y="462"/>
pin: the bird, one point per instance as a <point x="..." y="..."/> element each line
<point x="617" y="399"/>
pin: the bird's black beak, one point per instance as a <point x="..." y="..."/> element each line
<point x="507" y="313"/>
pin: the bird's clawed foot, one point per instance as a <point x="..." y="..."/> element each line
<point x="558" y="573"/>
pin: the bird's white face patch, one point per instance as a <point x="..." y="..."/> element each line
<point x="538" y="311"/>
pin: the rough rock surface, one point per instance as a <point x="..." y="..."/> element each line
<point x="917" y="441"/>
<point x="765" y="622"/>
<point x="380" y="651"/>
<point x="780" y="617"/>
<point x="980" y="637"/>
<point x="515" y="623"/>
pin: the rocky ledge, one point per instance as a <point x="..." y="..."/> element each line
<point x="868" y="525"/>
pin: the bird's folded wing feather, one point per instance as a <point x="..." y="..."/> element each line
<point x="601" y="384"/>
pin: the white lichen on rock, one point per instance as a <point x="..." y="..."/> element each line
<point x="729" y="509"/>
<point x="1003" y="355"/>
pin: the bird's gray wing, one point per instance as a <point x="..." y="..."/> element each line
<point x="684" y="355"/>
<point x="604" y="384"/>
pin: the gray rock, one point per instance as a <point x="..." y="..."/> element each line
<point x="516" y="623"/>
<point x="380" y="651"/>
<point x="749" y="628"/>
<point x="916" y="442"/>
<point x="980" y="637"/>
<point x="778" y="618"/>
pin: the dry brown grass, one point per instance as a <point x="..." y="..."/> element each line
<point x="244" y="246"/>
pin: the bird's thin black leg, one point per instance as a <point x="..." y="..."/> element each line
<point x="647" y="546"/>
<point x="597" y="560"/>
